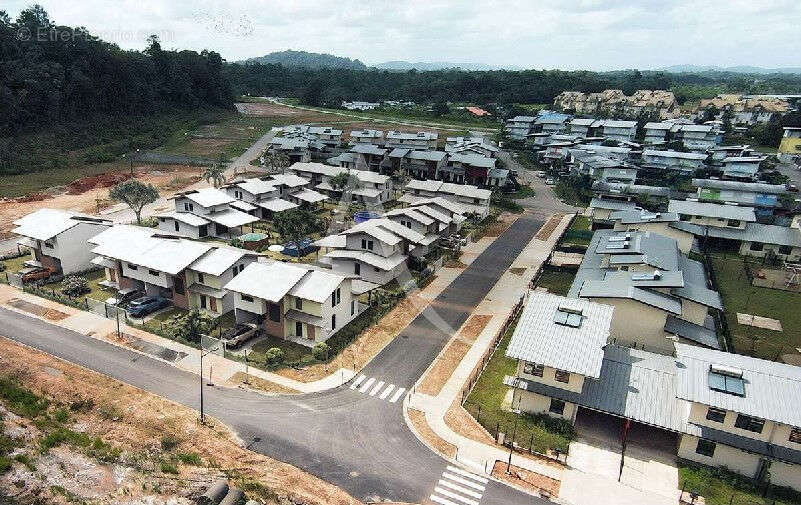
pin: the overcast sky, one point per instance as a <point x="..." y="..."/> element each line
<point x="567" y="34"/>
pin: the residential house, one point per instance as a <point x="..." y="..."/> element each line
<point x="697" y="137"/>
<point x="746" y="111"/>
<point x="614" y="101"/>
<point x="470" y="145"/>
<point x="658" y="292"/>
<point x="621" y="131"/>
<point x="57" y="239"/>
<point x="363" y="186"/>
<point x="207" y="276"/>
<point x="206" y="212"/>
<point x="262" y="193"/>
<point x="720" y="153"/>
<point x="357" y="105"/>
<point x="367" y="136"/>
<point x="419" y="140"/>
<point x="790" y="145"/>
<point x="418" y="164"/>
<point x="765" y="198"/>
<point x="657" y="132"/>
<point x="673" y="160"/>
<point x="440" y="209"/>
<point x="294" y="302"/>
<point x="660" y="223"/>
<point x="602" y="208"/>
<point x="519" y="127"/>
<point x="585" y="127"/>
<point x="362" y="157"/>
<point x="742" y="168"/>
<point x="471" y="198"/>
<point x="471" y="169"/>
<point x="550" y="122"/>
<point x="297" y="150"/>
<point x="604" y="169"/>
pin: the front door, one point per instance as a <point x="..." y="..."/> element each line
<point x="202" y="301"/>
<point x="357" y="268"/>
<point x="298" y="328"/>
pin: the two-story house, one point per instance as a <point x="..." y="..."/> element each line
<point x="519" y="127"/>
<point x="621" y="131"/>
<point x="471" y="199"/>
<point x="673" y="160"/>
<point x="367" y="136"/>
<point x="473" y="169"/>
<point x="57" y="239"/>
<point x="419" y="140"/>
<point x="471" y="145"/>
<point x="294" y="302"/>
<point x="205" y="212"/>
<point x="262" y="193"/>
<point x="418" y="164"/>
<point x="742" y="168"/>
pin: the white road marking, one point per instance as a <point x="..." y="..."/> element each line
<point x="358" y="381"/>
<point x="460" y="480"/>
<point x="397" y="395"/>
<point x="443" y="501"/>
<point x="376" y="388"/>
<point x="467" y="474"/>
<point x="366" y="385"/>
<point x="463" y="490"/>
<point x="387" y="391"/>
<point x="451" y="494"/>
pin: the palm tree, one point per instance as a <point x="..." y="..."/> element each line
<point x="215" y="174"/>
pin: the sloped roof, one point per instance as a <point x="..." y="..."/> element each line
<point x="45" y="224"/>
<point x="268" y="281"/>
<point x="219" y="259"/>
<point x="714" y="210"/>
<point x="207" y="197"/>
<point x="184" y="217"/>
<point x="316" y="285"/>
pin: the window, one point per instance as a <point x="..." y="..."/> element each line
<point x="132" y="267"/>
<point x="562" y="376"/>
<point x="275" y="312"/>
<point x="333" y="321"/>
<point x="684" y="217"/>
<point x="154" y="273"/>
<point x="716" y="415"/>
<point x="246" y="298"/>
<point x="534" y="369"/>
<point x="177" y="226"/>
<point x="203" y="230"/>
<point x="749" y="423"/>
<point x="188" y="207"/>
<point x="336" y="297"/>
<point x="352" y="307"/>
<point x="178" y="285"/>
<point x="795" y="435"/>
<point x="705" y="447"/>
<point x="733" y="222"/>
<point x="48" y="245"/>
<point x="756" y="246"/>
<point x="357" y="268"/>
<point x="785" y="249"/>
<point x="298" y="328"/>
<point x="200" y="278"/>
<point x="364" y="243"/>
<point x="241" y="267"/>
<point x="299" y="303"/>
<point x="235" y="271"/>
<point x="557" y="406"/>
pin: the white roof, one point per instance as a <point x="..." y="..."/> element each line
<point x="243" y="206"/>
<point x="184" y="217"/>
<point x="316" y="168"/>
<point x="231" y="218"/>
<point x="465" y="190"/>
<point x="412" y="213"/>
<point x="207" y="197"/>
<point x="45" y="224"/>
<point x="334" y="241"/>
<point x="444" y="203"/>
<point x="369" y="258"/>
<point x="256" y="186"/>
<point x="674" y="154"/>
<point x="538" y="338"/>
<point x="141" y="246"/>
<point x="277" y="205"/>
<point x="218" y="260"/>
<point x="316" y="285"/>
<point x="291" y="180"/>
<point x="427" y="185"/>
<point x="268" y="281"/>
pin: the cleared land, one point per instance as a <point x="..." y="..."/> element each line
<point x="72" y="435"/>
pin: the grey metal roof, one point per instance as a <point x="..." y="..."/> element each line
<point x="615" y="289"/>
<point x="772" y="390"/>
<point x="691" y="331"/>
<point x="368" y="149"/>
<point x="753" y="232"/>
<point x="634" y="189"/>
<point x="747" y="443"/>
<point x="750" y="187"/>
<point x="713" y="210"/>
<point x="475" y="160"/>
<point x="674" y="154"/>
<point x="634" y="384"/>
<point x="657" y="250"/>
<point x="427" y="155"/>
<point x="603" y="203"/>
<point x="612" y="123"/>
<point x="647" y="280"/>
<point x="700" y="294"/>
<point x="643" y="216"/>
<point x="539" y="339"/>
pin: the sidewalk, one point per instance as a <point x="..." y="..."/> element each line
<point x="498" y="304"/>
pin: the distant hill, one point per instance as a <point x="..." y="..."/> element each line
<point x="438" y="65"/>
<point x="305" y="59"/>
<point x="742" y="69"/>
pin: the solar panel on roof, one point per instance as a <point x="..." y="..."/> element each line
<point x="726" y="383"/>
<point x="568" y="317"/>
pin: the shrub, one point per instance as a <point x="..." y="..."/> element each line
<point x="5" y="464"/>
<point x="21" y="401"/>
<point x="61" y="416"/>
<point x="25" y="460"/>
<point x="74" y="286"/>
<point x="320" y="351"/>
<point x="169" y="467"/>
<point x="103" y="451"/>
<point x="169" y="442"/>
<point x="64" y="436"/>
<point x="274" y="355"/>
<point x="189" y="458"/>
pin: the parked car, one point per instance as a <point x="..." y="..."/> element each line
<point x="124" y="296"/>
<point x="146" y="305"/>
<point x="240" y="334"/>
<point x="32" y="274"/>
<point x="550" y="182"/>
<point x="541" y="173"/>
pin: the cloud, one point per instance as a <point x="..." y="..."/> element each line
<point x="591" y="34"/>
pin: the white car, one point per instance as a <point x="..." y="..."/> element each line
<point x="550" y="182"/>
<point x="540" y="173"/>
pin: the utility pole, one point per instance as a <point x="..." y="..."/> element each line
<point x="247" y="378"/>
<point x="202" y="413"/>
<point x="511" y="449"/>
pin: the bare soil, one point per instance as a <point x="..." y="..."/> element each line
<point x="239" y="379"/>
<point x="366" y="345"/>
<point x="137" y="424"/>
<point x="547" y="229"/>
<point x="443" y="368"/>
<point x="421" y="427"/>
<point x="526" y="479"/>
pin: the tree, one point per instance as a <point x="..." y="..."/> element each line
<point x="726" y="118"/>
<point x="276" y="162"/>
<point x="74" y="285"/>
<point x="339" y="181"/>
<point x="274" y="355"/>
<point x="135" y="195"/>
<point x="215" y="174"/>
<point x="189" y="325"/>
<point x="440" y="109"/>
<point x="320" y="351"/>
<point x="296" y="224"/>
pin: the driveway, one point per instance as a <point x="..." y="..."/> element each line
<point x="649" y="466"/>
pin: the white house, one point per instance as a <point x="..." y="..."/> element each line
<point x="206" y="212"/>
<point x="621" y="131"/>
<point x="472" y="199"/>
<point x="673" y="160"/>
<point x="57" y="239"/>
<point x="418" y="140"/>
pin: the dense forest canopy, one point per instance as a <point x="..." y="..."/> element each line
<point x="292" y="58"/>
<point x="51" y="74"/>
<point x="331" y="85"/>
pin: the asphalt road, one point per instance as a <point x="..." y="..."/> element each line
<point x="356" y="441"/>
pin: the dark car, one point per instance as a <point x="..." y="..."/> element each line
<point x="146" y="305"/>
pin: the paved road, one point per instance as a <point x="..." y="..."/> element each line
<point x="544" y="202"/>
<point x="356" y="441"/>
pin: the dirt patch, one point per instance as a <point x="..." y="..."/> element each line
<point x="418" y="419"/>
<point x="443" y="367"/>
<point x="460" y="421"/>
<point x="474" y="326"/>
<point x="534" y="482"/>
<point x="547" y="229"/>
<point x="259" y="384"/>
<point x="84" y="184"/>
<point x="518" y="270"/>
<point x="366" y="345"/>
<point x="454" y="264"/>
<point x="136" y="424"/>
<point x="497" y="228"/>
<point x="55" y="315"/>
<point x="38" y="310"/>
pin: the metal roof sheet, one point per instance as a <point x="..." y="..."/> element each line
<point x="184" y="217"/>
<point x="750" y="187"/>
<point x="277" y="205"/>
<point x="614" y="289"/>
<point x="45" y="224"/>
<point x="316" y="285"/>
<point x="691" y="331"/>
<point x="256" y="186"/>
<point x="603" y="203"/>
<point x="538" y="339"/>
<point x="268" y="281"/>
<point x="231" y="218"/>
<point x="370" y="258"/>
<point x="219" y="259"/>
<point x="207" y="197"/>
<point x="713" y="210"/>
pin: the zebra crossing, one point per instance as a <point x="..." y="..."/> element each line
<point x="371" y="386"/>
<point x="458" y="487"/>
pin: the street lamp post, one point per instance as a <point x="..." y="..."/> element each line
<point x="202" y="413"/>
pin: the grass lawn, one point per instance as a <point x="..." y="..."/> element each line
<point x="581" y="223"/>
<point x="489" y="393"/>
<point x="525" y="191"/>
<point x="720" y="487"/>
<point x="97" y="292"/>
<point x="15" y="264"/>
<point x="557" y="282"/>
<point x="229" y="137"/>
<point x="740" y="296"/>
<point x="292" y="352"/>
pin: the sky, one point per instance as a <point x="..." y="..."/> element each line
<point x="565" y="34"/>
